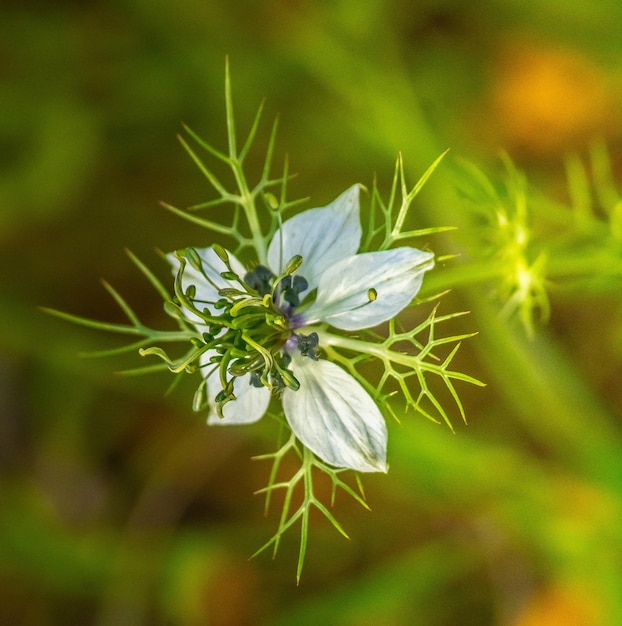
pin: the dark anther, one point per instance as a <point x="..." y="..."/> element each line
<point x="277" y="380"/>
<point x="221" y="396"/>
<point x="308" y="345"/>
<point x="256" y="379"/>
<point x="260" y="279"/>
<point x="291" y="289"/>
<point x="289" y="295"/>
<point x="300" y="283"/>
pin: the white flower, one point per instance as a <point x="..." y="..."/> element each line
<point x="330" y="412"/>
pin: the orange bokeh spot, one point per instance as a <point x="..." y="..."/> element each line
<point x="547" y="100"/>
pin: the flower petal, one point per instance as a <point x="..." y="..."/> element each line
<point x="333" y="415"/>
<point x="320" y="236"/>
<point x="249" y="406"/>
<point x="213" y="266"/>
<point x="343" y="298"/>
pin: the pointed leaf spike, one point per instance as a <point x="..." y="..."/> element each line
<point x="270" y="151"/>
<point x="284" y="179"/>
<point x="209" y="224"/>
<point x="253" y="131"/>
<point x="230" y="117"/>
<point x="83" y="321"/>
<point x="123" y="305"/>
<point x="216" y="153"/>
<point x="304" y="532"/>
<point x="149" y="275"/>
<point x="422" y="181"/>
<point x="204" y="169"/>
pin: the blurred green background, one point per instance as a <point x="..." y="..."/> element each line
<point x="117" y="504"/>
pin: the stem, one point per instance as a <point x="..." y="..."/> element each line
<point x="250" y="211"/>
<point x="408" y="197"/>
<point x="377" y="350"/>
<point x="253" y="223"/>
<point x="307" y="468"/>
<point x="246" y="197"/>
<point x="401" y="216"/>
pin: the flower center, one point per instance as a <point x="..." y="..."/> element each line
<point x="248" y="330"/>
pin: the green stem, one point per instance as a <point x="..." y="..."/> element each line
<point x="250" y="211"/>
<point x="307" y="468"/>
<point x="253" y="223"/>
<point x="377" y="350"/>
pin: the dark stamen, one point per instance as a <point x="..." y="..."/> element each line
<point x="300" y="283"/>
<point x="256" y="379"/>
<point x="308" y="345"/>
<point x="291" y="289"/>
<point x="260" y="279"/>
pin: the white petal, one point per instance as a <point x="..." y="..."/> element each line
<point x="343" y="292"/>
<point x="320" y="236"/>
<point x="213" y="266"/>
<point x="249" y="406"/>
<point x="335" y="417"/>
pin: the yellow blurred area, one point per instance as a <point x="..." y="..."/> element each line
<point x="547" y="100"/>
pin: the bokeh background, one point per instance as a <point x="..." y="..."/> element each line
<point x="117" y="504"/>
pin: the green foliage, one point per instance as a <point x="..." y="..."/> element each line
<point x="244" y="198"/>
<point x="528" y="245"/>
<point x="406" y="355"/>
<point x="304" y="476"/>
<point x="390" y="227"/>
